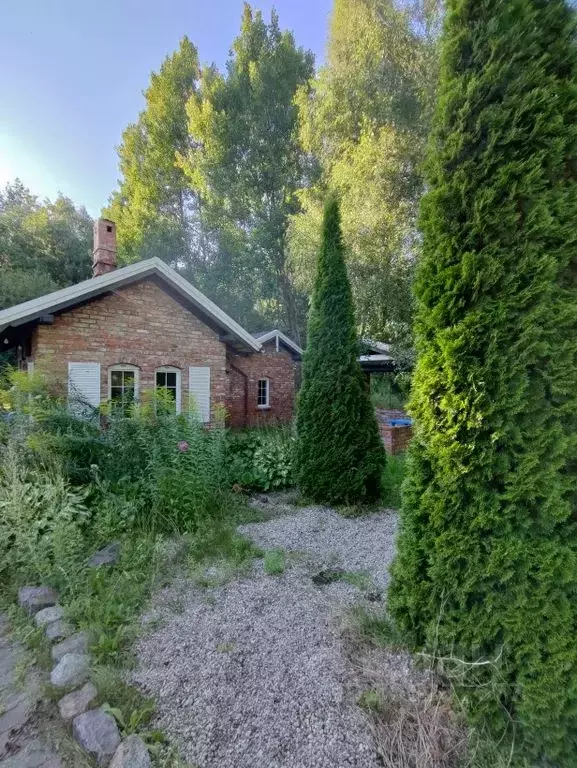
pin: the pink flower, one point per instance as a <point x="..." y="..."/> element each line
<point x="183" y="446"/>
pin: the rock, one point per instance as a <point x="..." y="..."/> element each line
<point x="78" y="643"/>
<point x="71" y="670"/>
<point x="33" y="599"/>
<point x="77" y="702"/>
<point x="97" y="733"/>
<point x="48" y="615"/>
<point x="34" y="754"/>
<point x="132" y="753"/>
<point x="106" y="556"/>
<point x="58" y="630"/>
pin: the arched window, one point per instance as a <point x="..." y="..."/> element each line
<point x="123" y="385"/>
<point x="168" y="379"/>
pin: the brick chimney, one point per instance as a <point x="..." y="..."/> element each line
<point x="104" y="254"/>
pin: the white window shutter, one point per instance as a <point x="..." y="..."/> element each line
<point x="199" y="389"/>
<point x="83" y="386"/>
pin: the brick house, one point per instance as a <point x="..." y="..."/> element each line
<point x="144" y="327"/>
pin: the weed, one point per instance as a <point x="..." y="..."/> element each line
<point x="130" y="708"/>
<point x="274" y="562"/>
<point x="225" y="647"/>
<point x="370" y="700"/>
<point x="360" y="579"/>
<point x="392" y="480"/>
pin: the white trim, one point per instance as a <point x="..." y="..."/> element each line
<point x="199" y="391"/>
<point x="83" y="387"/>
<point x="279" y="336"/>
<point x="264" y="406"/>
<point x="125" y="367"/>
<point x="68" y="297"/>
<point x="172" y="369"/>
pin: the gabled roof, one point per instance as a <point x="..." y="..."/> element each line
<point x="88" y="289"/>
<point x="281" y="338"/>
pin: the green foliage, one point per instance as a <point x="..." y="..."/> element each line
<point x="154" y="206"/>
<point x="370" y="700"/>
<point x="487" y="563"/>
<point x="246" y="164"/>
<point x="366" y="121"/>
<point x="43" y="246"/>
<point x="386" y="392"/>
<point x="274" y="562"/>
<point x="41" y="518"/>
<point x="261" y="459"/>
<point x="339" y="454"/>
<point x="392" y="480"/>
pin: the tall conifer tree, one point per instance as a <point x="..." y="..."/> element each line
<point x="339" y="451"/>
<point x="487" y="563"/>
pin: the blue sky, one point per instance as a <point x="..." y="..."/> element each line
<point x="72" y="74"/>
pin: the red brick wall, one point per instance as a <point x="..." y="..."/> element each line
<point x="139" y="325"/>
<point x="396" y="439"/>
<point x="279" y="368"/>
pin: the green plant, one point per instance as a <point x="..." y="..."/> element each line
<point x="261" y="458"/>
<point x="487" y="554"/>
<point x="392" y="480"/>
<point x="274" y="562"/>
<point x="339" y="453"/>
<point x="41" y="522"/>
<point x="370" y="700"/>
<point x="385" y="392"/>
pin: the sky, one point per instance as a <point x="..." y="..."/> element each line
<point x="72" y="74"/>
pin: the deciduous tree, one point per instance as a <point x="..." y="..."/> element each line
<point x="245" y="162"/>
<point x="367" y="120"/>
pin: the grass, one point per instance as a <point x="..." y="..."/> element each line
<point x="385" y="393"/>
<point x="274" y="562"/>
<point x="391" y="481"/>
<point x="422" y="725"/>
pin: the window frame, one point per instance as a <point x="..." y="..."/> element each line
<point x="124" y="368"/>
<point x="263" y="406"/>
<point x="172" y="369"/>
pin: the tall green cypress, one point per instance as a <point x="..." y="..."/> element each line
<point x="487" y="560"/>
<point x="340" y="455"/>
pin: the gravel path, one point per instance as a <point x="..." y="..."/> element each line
<point x="252" y="674"/>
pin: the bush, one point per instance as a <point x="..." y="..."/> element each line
<point x="386" y="391"/>
<point x="487" y="555"/>
<point x="339" y="453"/>
<point x="261" y="459"/>
<point x="41" y="522"/>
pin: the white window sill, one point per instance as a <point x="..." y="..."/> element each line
<point x="263" y="407"/>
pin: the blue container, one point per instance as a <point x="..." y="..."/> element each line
<point x="399" y="422"/>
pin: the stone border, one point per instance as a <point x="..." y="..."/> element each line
<point x="94" y="730"/>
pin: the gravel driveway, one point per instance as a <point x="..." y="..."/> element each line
<point x="251" y="673"/>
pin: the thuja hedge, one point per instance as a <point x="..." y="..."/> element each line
<point x="487" y="563"/>
<point x="339" y="453"/>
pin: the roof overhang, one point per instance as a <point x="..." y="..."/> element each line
<point x="280" y="338"/>
<point x="66" y="298"/>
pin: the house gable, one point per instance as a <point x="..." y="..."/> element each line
<point x="140" y="326"/>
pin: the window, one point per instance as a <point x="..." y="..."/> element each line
<point x="263" y="393"/>
<point x="168" y="380"/>
<point x="122" y="386"/>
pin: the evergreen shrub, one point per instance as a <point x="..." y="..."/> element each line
<point x="339" y="453"/>
<point x="487" y="556"/>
